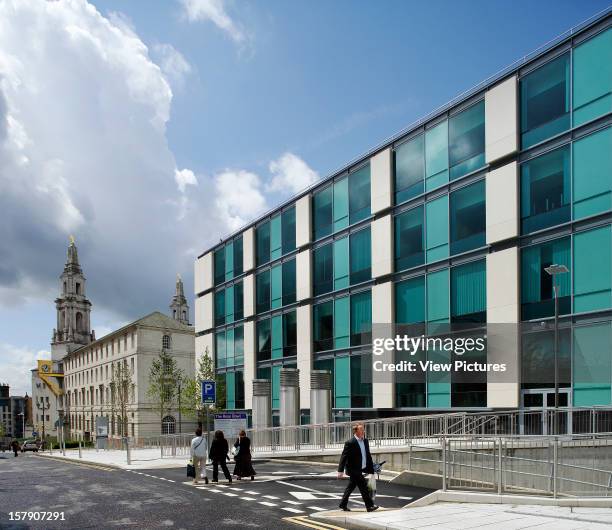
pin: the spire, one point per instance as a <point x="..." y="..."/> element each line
<point x="179" y="307"/>
<point x="72" y="258"/>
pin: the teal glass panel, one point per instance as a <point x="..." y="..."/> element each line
<point x="264" y="340"/>
<point x="238" y="256"/>
<point x="537" y="299"/>
<point x="341" y="322"/>
<point x="276" y="237"/>
<point x="409" y="162"/>
<point x="219" y="266"/>
<point x="593" y="270"/>
<point x="436" y="156"/>
<point x="230" y="390"/>
<point x="262" y="243"/>
<point x="359" y="195"/>
<point x="323" y="269"/>
<point x="341" y="263"/>
<point x="469" y="292"/>
<point x="229" y="261"/>
<point x="467" y="218"/>
<point x="277" y="337"/>
<point x="545" y="191"/>
<point x="220" y="352"/>
<point x="410" y="301"/>
<point x="341" y="204"/>
<point x="436" y="223"/>
<point x="240" y="390"/>
<point x="592" y="368"/>
<point x="438" y="296"/>
<point x="466" y="133"/>
<point x="276" y="280"/>
<point x="545" y="102"/>
<point x="289" y="334"/>
<point x="276" y="387"/>
<point x="229" y="305"/>
<point x="342" y="383"/>
<point x="239" y="345"/>
<point x="361" y="318"/>
<point x="323" y="326"/>
<point x="288" y="229"/>
<point x="592" y="173"/>
<point x="439" y="383"/>
<point x="409" y="239"/>
<point x="322" y="212"/>
<point x="262" y="291"/>
<point x="360" y="256"/>
<point x="289" y="282"/>
<point x="538" y="356"/>
<point x="220" y="307"/>
<point x="229" y="347"/>
<point x="592" y="90"/>
<point x="238" y="301"/>
<point x="361" y="381"/>
<point x="264" y="372"/>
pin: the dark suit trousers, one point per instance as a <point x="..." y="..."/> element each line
<point x="357" y="481"/>
<point x="216" y="464"/>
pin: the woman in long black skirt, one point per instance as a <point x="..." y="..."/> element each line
<point x="244" y="465"/>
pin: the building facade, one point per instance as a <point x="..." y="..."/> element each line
<point x="454" y="220"/>
<point x="13" y="413"/>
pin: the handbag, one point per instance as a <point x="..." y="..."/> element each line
<point x="190" y="470"/>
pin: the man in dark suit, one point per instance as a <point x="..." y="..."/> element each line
<point x="356" y="460"/>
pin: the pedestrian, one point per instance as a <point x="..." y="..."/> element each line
<point x="15" y="447"/>
<point x="244" y="463"/>
<point x="218" y="455"/>
<point x="199" y="450"/>
<point x="356" y="460"/>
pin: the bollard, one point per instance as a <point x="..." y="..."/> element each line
<point x="499" y="467"/>
<point x="129" y="456"/>
<point x="555" y="469"/>
<point x="80" y="454"/>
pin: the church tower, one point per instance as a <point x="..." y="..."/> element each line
<point x="179" y="307"/>
<point x="73" y="309"/>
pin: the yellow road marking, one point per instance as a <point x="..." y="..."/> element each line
<point x="303" y="520"/>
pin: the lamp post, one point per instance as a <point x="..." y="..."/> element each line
<point x="554" y="270"/>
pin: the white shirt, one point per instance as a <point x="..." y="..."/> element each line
<point x="363" y="451"/>
<point x="199" y="447"/>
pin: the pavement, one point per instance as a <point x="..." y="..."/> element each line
<point x="94" y="495"/>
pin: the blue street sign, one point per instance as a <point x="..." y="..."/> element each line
<point x="209" y="392"/>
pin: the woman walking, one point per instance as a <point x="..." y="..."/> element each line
<point x="198" y="455"/>
<point x="244" y="465"/>
<point x="218" y="455"/>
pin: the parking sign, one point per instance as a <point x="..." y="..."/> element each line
<point x="209" y="393"/>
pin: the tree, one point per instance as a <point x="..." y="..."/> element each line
<point x="193" y="390"/>
<point x="164" y="377"/>
<point x="121" y="383"/>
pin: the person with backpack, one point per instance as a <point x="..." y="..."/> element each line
<point x="199" y="450"/>
<point x="218" y="455"/>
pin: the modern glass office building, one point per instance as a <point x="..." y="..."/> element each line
<point x="454" y="220"/>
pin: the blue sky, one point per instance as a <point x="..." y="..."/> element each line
<point x="142" y="163"/>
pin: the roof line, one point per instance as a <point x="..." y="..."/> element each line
<point x="463" y="96"/>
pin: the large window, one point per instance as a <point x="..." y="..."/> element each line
<point x="467" y="218"/>
<point x="264" y="340"/>
<point x="361" y="318"/>
<point x="262" y="243"/>
<point x="409" y="166"/>
<point x="436" y="236"/>
<point x="229" y="304"/>
<point x="537" y="299"/>
<point x="360" y="256"/>
<point x="410" y="301"/>
<point x="219" y="260"/>
<point x="229" y="347"/>
<point x="345" y="202"/>
<point x="262" y="291"/>
<point x="466" y="148"/>
<point x="361" y="385"/>
<point x="469" y="292"/>
<point x="275" y="237"/>
<point x="593" y="270"/>
<point x="288" y="230"/>
<point x="436" y="156"/>
<point x="409" y="239"/>
<point x="545" y="101"/>
<point x="289" y="334"/>
<point x="592" y="365"/>
<point x="276" y="287"/>
<point x="323" y="326"/>
<point x="323" y="269"/>
<point x="538" y="356"/>
<point x="592" y="88"/>
<point x="545" y="191"/>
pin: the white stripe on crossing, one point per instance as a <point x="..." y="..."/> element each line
<point x="293" y="510"/>
<point x="265" y="503"/>
<point x="317" y="508"/>
<point x="271" y="497"/>
<point x="229" y="494"/>
<point x="296" y="503"/>
<point x="247" y="498"/>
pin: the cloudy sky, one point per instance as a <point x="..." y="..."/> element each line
<point x="149" y="129"/>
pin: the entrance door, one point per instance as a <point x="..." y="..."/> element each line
<point x="538" y="412"/>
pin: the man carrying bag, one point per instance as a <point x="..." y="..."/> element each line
<point x="355" y="461"/>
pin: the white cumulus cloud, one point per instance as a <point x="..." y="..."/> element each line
<point x="239" y="196"/>
<point x="215" y="12"/>
<point x="184" y="178"/>
<point x="172" y="63"/>
<point x="290" y="174"/>
<point x="16" y="362"/>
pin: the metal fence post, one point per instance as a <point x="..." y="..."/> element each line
<point x="80" y="454"/>
<point x="555" y="464"/>
<point x="409" y="452"/>
<point x="499" y="466"/>
<point x="443" y="463"/>
<point x="129" y="456"/>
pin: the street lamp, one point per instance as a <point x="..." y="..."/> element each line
<point x="554" y="270"/>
